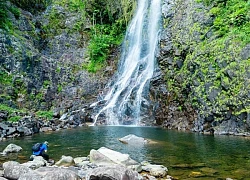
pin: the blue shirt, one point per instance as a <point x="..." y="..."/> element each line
<point x="42" y="148"/>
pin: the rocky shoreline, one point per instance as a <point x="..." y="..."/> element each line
<point x="103" y="163"/>
<point x="29" y="124"/>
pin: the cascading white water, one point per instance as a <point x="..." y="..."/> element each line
<point x="137" y="65"/>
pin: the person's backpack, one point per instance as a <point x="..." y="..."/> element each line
<point x="36" y="147"/>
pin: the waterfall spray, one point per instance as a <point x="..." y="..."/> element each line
<point x="136" y="67"/>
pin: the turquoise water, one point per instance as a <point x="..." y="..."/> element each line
<point x="187" y="155"/>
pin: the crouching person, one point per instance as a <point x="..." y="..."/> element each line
<point x="41" y="151"/>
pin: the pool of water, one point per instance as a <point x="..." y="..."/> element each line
<point x="187" y="155"/>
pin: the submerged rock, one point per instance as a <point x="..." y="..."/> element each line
<point x="133" y="139"/>
<point x="155" y="170"/>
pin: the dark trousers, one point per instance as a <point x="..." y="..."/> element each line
<point x="45" y="156"/>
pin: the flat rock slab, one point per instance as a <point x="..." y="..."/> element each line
<point x="105" y="157"/>
<point x="133" y="139"/>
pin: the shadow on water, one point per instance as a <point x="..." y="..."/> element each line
<point x="187" y="155"/>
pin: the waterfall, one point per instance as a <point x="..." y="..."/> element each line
<point x="130" y="89"/>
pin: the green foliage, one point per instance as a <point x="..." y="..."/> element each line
<point x="5" y="23"/>
<point x="72" y="5"/>
<point x="108" y="12"/>
<point x="56" y="23"/>
<point x="15" y="118"/>
<point x="212" y="67"/>
<point x="59" y="88"/>
<point x="32" y="5"/>
<point x="7" y="108"/>
<point x="45" y="114"/>
<point x="78" y="6"/>
<point x="215" y="11"/>
<point x="109" y="19"/>
<point x="39" y="96"/>
<point x="229" y="15"/>
<point x="46" y="83"/>
<point x="10" y="110"/>
<point x="99" y="46"/>
<point x="5" y="78"/>
<point x="103" y="38"/>
<point x="15" y="11"/>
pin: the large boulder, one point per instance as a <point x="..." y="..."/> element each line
<point x="53" y="173"/>
<point x="65" y="161"/>
<point x="81" y="161"/>
<point x="13" y="170"/>
<point x="12" y="148"/>
<point x="46" y="173"/>
<point x="31" y="176"/>
<point x="105" y="157"/>
<point x="112" y="173"/>
<point x="37" y="162"/>
<point x="2" y="178"/>
<point x="99" y="159"/>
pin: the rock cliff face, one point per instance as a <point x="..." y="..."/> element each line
<point x="41" y="61"/>
<point x="205" y="65"/>
<point x="202" y="83"/>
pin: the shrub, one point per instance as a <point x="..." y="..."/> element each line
<point x="45" y="114"/>
<point x="32" y="5"/>
<point x="15" y="118"/>
<point x="4" y="21"/>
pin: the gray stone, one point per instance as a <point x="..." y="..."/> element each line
<point x="30" y="176"/>
<point x="13" y="170"/>
<point x="155" y="170"/>
<point x="37" y="162"/>
<point x="112" y="173"/>
<point x="2" y="178"/>
<point x="106" y="157"/>
<point x="12" y="148"/>
<point x="81" y="161"/>
<point x="133" y="139"/>
<point x="52" y="173"/>
<point x="245" y="53"/>
<point x="65" y="161"/>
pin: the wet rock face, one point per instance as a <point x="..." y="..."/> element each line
<point x="197" y="95"/>
<point x="170" y="110"/>
<point x="43" y="63"/>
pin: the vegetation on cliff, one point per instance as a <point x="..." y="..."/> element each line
<point x="211" y="59"/>
<point x="108" y="28"/>
<point x="44" y="44"/>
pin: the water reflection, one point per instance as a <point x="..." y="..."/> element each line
<point x="214" y="157"/>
